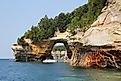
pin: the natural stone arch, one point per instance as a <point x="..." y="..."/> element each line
<point x="42" y="50"/>
<point x="64" y="41"/>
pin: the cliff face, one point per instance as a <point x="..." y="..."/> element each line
<point x="107" y="28"/>
<point x="95" y="56"/>
<point x="102" y="41"/>
<point x="32" y="52"/>
<point x="100" y="46"/>
<point x="38" y="51"/>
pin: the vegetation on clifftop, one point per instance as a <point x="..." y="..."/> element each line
<point x="81" y="17"/>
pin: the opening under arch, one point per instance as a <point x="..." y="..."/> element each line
<point x="60" y="49"/>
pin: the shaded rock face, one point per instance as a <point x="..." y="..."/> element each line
<point x="101" y="59"/>
<point x="107" y="28"/>
<point x="87" y="56"/>
<point x="23" y="53"/>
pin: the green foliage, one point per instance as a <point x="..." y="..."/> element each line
<point x="21" y="41"/>
<point x="74" y="24"/>
<point x="87" y="14"/>
<point x="59" y="48"/>
<point x="43" y="30"/>
<point x="61" y="21"/>
<point x="81" y="17"/>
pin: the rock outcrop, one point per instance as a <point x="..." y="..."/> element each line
<point x="95" y="56"/>
<point x="23" y="53"/>
<point x="102" y="41"/>
<point x="100" y="46"/>
<point x="38" y="51"/>
<point x="107" y="28"/>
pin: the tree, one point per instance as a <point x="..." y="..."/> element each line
<point x="74" y="24"/>
<point x="21" y="41"/>
<point x="82" y="17"/>
<point x="43" y="30"/>
<point x="61" y="21"/>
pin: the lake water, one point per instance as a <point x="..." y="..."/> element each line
<point x="16" y="71"/>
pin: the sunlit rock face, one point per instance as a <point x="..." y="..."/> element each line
<point x="39" y="51"/>
<point x="107" y="28"/>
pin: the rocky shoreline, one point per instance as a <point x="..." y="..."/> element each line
<point x="81" y="56"/>
<point x="100" y="46"/>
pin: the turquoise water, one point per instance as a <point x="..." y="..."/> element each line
<point x="16" y="71"/>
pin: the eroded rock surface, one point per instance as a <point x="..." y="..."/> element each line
<point x="95" y="56"/>
<point x="38" y="51"/>
<point x="107" y="28"/>
<point x="102" y="41"/>
<point x="100" y="46"/>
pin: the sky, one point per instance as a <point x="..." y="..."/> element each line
<point x="17" y="16"/>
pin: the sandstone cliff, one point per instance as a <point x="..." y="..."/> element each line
<point x="99" y="47"/>
<point x="107" y="28"/>
<point x="102" y="41"/>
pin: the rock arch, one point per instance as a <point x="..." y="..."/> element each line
<point x="42" y="50"/>
<point x="64" y="41"/>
